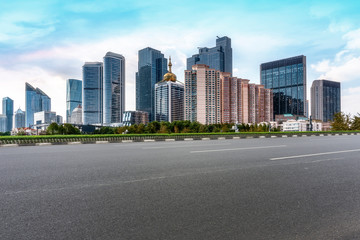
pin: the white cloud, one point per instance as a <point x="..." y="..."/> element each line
<point x="350" y="100"/>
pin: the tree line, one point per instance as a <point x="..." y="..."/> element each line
<point x="345" y="122"/>
<point x="162" y="127"/>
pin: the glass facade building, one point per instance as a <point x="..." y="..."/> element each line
<point x="35" y="101"/>
<point x="92" y="93"/>
<point x="169" y="101"/>
<point x="113" y="88"/>
<point x="218" y="57"/>
<point x="19" y="118"/>
<point x="3" y="123"/>
<point x="152" y="66"/>
<point x="8" y="110"/>
<point x="325" y="100"/>
<point x="287" y="79"/>
<point x="73" y="96"/>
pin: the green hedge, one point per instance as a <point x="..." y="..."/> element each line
<point x="159" y="135"/>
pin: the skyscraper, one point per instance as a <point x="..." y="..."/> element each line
<point x="287" y="79"/>
<point x="19" y="119"/>
<point x="169" y="98"/>
<point x="92" y="93"/>
<point x="73" y="96"/>
<point x="202" y="95"/>
<point x="218" y="57"/>
<point x="325" y="100"/>
<point x="114" y="87"/>
<point x="76" y="115"/>
<point x="35" y="101"/>
<point x="8" y="110"/>
<point x="151" y="69"/>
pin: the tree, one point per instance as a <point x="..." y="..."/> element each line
<point x="164" y="127"/>
<point x="342" y="122"/>
<point x="52" y="129"/>
<point x="195" y="127"/>
<point x="355" y="125"/>
<point x="70" y="129"/>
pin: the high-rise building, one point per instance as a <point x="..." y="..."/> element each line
<point x="169" y="98"/>
<point x="325" y="100"/>
<point x="19" y="119"/>
<point x="35" y="101"/>
<point x="244" y="102"/>
<point x="8" y="110"/>
<point x="151" y="69"/>
<point x="3" y="123"/>
<point x="135" y="117"/>
<point x="202" y="95"/>
<point x="92" y="93"/>
<point x="218" y="57"/>
<point x="114" y="88"/>
<point x="76" y="115"/>
<point x="59" y="119"/>
<point x="287" y="79"/>
<point x="73" y="96"/>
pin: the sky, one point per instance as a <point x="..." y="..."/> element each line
<point x="47" y="42"/>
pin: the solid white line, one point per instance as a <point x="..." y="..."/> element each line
<point x="236" y="149"/>
<point x="169" y="140"/>
<point x="73" y="143"/>
<point x="101" y="142"/>
<point x="149" y="140"/>
<point x="314" y="154"/>
<point x="188" y="139"/>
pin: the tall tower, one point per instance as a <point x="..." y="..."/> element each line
<point x="73" y="96"/>
<point x="35" y="101"/>
<point x="19" y="119"/>
<point x="114" y="87"/>
<point x="218" y="57"/>
<point x="202" y="95"/>
<point x="169" y="98"/>
<point x="8" y="110"/>
<point x="325" y="100"/>
<point x="92" y="93"/>
<point x="151" y="69"/>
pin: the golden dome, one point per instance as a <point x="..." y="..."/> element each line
<point x="169" y="76"/>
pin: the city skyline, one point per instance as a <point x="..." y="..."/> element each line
<point x="46" y="44"/>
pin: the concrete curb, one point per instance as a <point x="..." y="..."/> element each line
<point x="178" y="139"/>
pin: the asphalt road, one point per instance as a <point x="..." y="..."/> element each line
<point x="281" y="188"/>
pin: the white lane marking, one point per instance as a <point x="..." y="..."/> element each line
<point x="236" y="149"/>
<point x="329" y="159"/>
<point x="117" y="183"/>
<point x="187" y="145"/>
<point x="314" y="154"/>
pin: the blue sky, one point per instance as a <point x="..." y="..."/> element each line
<point x="46" y="42"/>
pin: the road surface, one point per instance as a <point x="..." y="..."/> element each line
<point x="281" y="188"/>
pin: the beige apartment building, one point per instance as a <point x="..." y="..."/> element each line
<point x="212" y="97"/>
